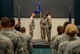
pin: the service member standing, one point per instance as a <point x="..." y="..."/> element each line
<point x="43" y="26"/>
<point x="49" y="26"/>
<point x="32" y="25"/>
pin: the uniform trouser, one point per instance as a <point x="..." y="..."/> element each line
<point x="30" y="46"/>
<point x="49" y="34"/>
<point x="43" y="33"/>
<point x="31" y="32"/>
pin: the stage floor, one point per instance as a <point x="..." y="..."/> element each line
<point x="39" y="42"/>
<point x="40" y="47"/>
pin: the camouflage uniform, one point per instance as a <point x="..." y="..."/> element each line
<point x="49" y="26"/>
<point x="53" y="38"/>
<point x="6" y="46"/>
<point x="32" y="27"/>
<point x="28" y="39"/>
<point x="22" y="39"/>
<point x="62" y="46"/>
<point x="18" y="46"/>
<point x="73" y="47"/>
<point x="57" y="41"/>
<point x="43" y="25"/>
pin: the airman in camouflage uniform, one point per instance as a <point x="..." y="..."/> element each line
<point x="62" y="46"/>
<point x="43" y="26"/>
<point x="71" y="31"/>
<point x="73" y="47"/>
<point x="27" y="38"/>
<point x="59" y="32"/>
<point x="61" y="38"/>
<point x="6" y="46"/>
<point x="57" y="41"/>
<point x="18" y="46"/>
<point x="11" y="27"/>
<point x="49" y="26"/>
<point x="32" y="25"/>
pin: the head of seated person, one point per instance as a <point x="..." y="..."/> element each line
<point x="60" y="30"/>
<point x="5" y="22"/>
<point x="71" y="30"/>
<point x="65" y="24"/>
<point x="23" y="30"/>
<point x="12" y="23"/>
<point x="78" y="34"/>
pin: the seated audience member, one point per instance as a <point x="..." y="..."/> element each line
<point x="59" y="32"/>
<point x="49" y="25"/>
<point x="73" y="47"/>
<point x="27" y="38"/>
<point x="6" y="46"/>
<point x="0" y="25"/>
<point x="71" y="31"/>
<point x="78" y="34"/>
<point x="18" y="46"/>
<point x="61" y="38"/>
<point x="11" y="28"/>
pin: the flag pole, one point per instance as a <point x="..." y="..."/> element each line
<point x="19" y="14"/>
<point x="40" y="14"/>
<point x="70" y="18"/>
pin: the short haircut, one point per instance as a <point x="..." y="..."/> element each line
<point x="59" y="28"/>
<point x="65" y="24"/>
<point x="47" y="13"/>
<point x="5" y="22"/>
<point x="12" y="22"/>
<point x="23" y="30"/>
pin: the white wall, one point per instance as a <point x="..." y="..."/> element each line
<point x="37" y="35"/>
